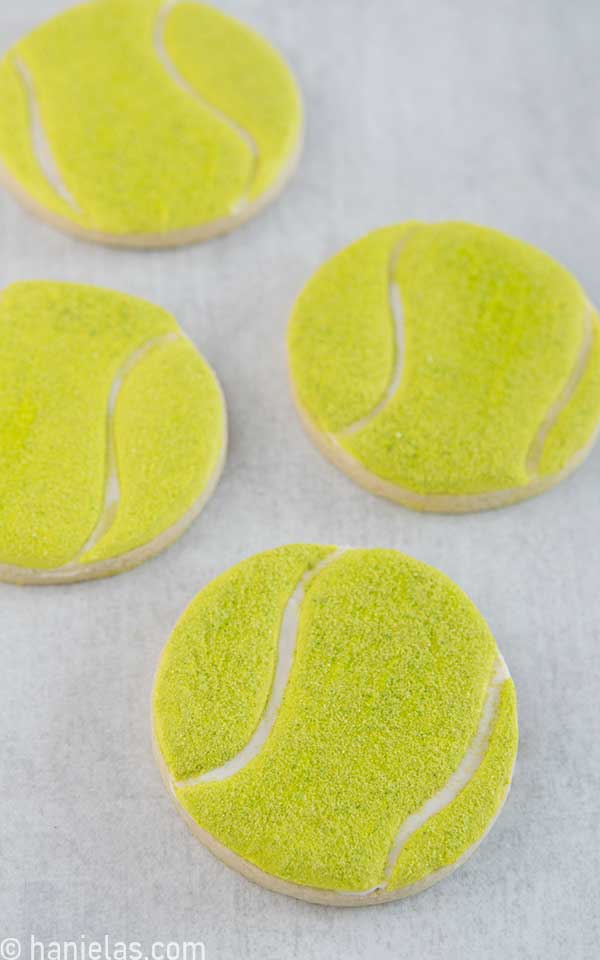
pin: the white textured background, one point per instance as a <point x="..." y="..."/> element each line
<point x="432" y="110"/>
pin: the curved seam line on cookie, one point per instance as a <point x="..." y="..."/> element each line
<point x="457" y="781"/>
<point x="286" y="649"/>
<point x="429" y="879"/>
<point x="462" y="776"/>
<point x="174" y="531"/>
<point x="39" y="142"/>
<point x="499" y="676"/>
<point x="536" y="448"/>
<point x="160" y="48"/>
<point x="487" y="499"/>
<point x="397" y="314"/>
<point x="112" y="491"/>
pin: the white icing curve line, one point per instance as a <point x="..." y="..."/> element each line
<point x="285" y="657"/>
<point x="462" y="775"/>
<point x="41" y="147"/>
<point x="397" y="312"/>
<point x="162" y="54"/>
<point x="111" y="487"/>
<point x="455" y="783"/>
<point x="536" y="449"/>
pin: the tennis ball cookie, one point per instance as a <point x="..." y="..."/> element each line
<point x="337" y="725"/>
<point x="146" y="122"/>
<point x="112" y="432"/>
<point x="447" y="367"/>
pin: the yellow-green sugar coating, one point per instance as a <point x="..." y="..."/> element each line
<point x="16" y="142"/>
<point x="158" y="117"/>
<point x="204" y="710"/>
<point x="261" y="100"/>
<point x="449" y="834"/>
<point x="488" y="380"/>
<point x="96" y="389"/>
<point x="578" y="420"/>
<point x="388" y="678"/>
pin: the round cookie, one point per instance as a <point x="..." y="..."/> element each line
<point x="146" y="123"/>
<point x="112" y="432"/>
<point x="336" y="725"/>
<point x="447" y="367"/>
